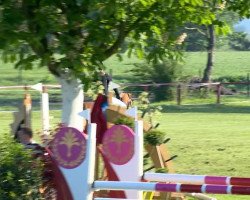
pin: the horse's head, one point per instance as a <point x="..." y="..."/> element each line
<point x="126" y="98"/>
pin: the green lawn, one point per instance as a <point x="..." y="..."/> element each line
<point x="7" y="118"/>
<point x="209" y="140"/>
<point x="228" y="63"/>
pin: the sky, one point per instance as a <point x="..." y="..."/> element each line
<point x="243" y="26"/>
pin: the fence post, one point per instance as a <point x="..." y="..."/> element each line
<point x="27" y="108"/>
<point x="218" y="93"/>
<point x="178" y="91"/>
<point x="45" y="110"/>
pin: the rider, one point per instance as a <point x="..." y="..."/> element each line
<point x="106" y="79"/>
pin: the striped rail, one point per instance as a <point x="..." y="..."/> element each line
<point x="169" y="187"/>
<point x="197" y="179"/>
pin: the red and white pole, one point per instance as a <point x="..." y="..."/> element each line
<point x="197" y="179"/>
<point x="170" y="187"/>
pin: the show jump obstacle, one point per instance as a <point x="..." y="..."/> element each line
<point x="122" y="152"/>
<point x="74" y="156"/>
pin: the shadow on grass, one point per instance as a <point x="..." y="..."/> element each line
<point x="206" y="108"/>
<point x="14" y="103"/>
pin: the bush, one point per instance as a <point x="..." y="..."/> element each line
<point x="125" y="121"/>
<point x="165" y="72"/>
<point x="20" y="172"/>
<point x="231" y="79"/>
<point x="239" y="41"/>
<point x="161" y="170"/>
<point x="154" y="137"/>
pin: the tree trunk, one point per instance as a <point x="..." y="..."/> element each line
<point x="72" y="103"/>
<point x="210" y="55"/>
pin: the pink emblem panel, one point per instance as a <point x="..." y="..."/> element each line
<point x="118" y="144"/>
<point x="69" y="147"/>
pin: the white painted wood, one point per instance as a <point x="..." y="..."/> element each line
<point x="38" y="87"/>
<point x="45" y="113"/>
<point x="125" y="185"/>
<point x="72" y="100"/>
<point x="175" y="178"/>
<point x="99" y="198"/>
<point x="89" y="172"/>
<point x="81" y="178"/>
<point x="124" y="172"/>
<point x="132" y="112"/>
<point x="86" y="115"/>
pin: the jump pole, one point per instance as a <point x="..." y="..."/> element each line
<point x="197" y="179"/>
<point x="169" y="187"/>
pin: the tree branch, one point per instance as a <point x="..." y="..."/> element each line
<point x="120" y="39"/>
<point x="123" y="32"/>
<point x="197" y="29"/>
<point x="34" y="28"/>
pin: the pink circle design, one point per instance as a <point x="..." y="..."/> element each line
<point x="69" y="147"/>
<point x="118" y="144"/>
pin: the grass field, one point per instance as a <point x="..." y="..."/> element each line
<point x="208" y="138"/>
<point x="226" y="64"/>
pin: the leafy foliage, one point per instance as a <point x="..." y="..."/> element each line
<point x="73" y="38"/>
<point x="231" y="78"/>
<point x="20" y="173"/>
<point x="95" y="89"/>
<point x="239" y="41"/>
<point x="125" y="121"/>
<point x="143" y="104"/>
<point x="164" y="72"/>
<point x="161" y="170"/>
<point x="242" y="7"/>
<point x="197" y="35"/>
<point x="154" y="137"/>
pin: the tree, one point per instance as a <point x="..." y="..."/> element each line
<point x="73" y="37"/>
<point x="208" y="37"/>
<point x="241" y="7"/>
<point x="216" y="7"/>
<point x="198" y="34"/>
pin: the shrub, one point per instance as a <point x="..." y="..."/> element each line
<point x="165" y="72"/>
<point x="125" y="121"/>
<point x="161" y="170"/>
<point x="231" y="79"/>
<point x="154" y="137"/>
<point x="20" y="172"/>
<point x="239" y="41"/>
